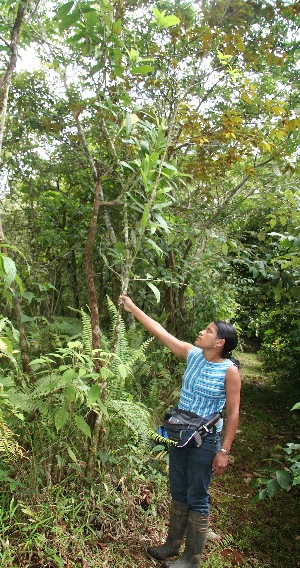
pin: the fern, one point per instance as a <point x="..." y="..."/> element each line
<point x="161" y="439"/>
<point x="9" y="447"/>
<point x="133" y="415"/>
<point x="64" y="327"/>
<point x="87" y="333"/>
<point x="153" y="394"/>
<point x="121" y="346"/>
<point x="124" y="351"/>
<point x="64" y="377"/>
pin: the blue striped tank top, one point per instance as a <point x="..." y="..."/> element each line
<point x="203" y="388"/>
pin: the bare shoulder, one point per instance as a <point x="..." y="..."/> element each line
<point x="233" y="376"/>
<point x="184" y="349"/>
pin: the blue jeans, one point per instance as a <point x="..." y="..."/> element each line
<point x="190" y="473"/>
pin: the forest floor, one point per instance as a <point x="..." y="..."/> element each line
<point x="261" y="534"/>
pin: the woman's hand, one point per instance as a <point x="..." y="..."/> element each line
<point x="220" y="463"/>
<point x="126" y="302"/>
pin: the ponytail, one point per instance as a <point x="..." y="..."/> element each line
<point x="228" y="332"/>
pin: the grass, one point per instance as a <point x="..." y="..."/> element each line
<point x="111" y="524"/>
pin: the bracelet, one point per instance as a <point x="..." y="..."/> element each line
<point x="224" y="451"/>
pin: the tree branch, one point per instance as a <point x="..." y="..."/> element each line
<point x="14" y="39"/>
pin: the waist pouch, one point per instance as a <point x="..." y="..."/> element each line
<point x="187" y="428"/>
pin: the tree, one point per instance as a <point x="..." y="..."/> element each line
<point x="157" y="129"/>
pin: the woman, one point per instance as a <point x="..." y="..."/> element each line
<point x="211" y="379"/>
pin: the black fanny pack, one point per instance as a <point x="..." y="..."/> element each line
<point x="187" y="428"/>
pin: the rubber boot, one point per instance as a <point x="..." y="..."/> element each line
<point x="177" y="526"/>
<point x="196" y="534"/>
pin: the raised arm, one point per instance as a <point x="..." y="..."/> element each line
<point x="179" y="348"/>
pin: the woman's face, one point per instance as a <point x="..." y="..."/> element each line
<point x="208" y="337"/>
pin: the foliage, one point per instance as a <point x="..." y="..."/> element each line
<point x="282" y="478"/>
<point x="174" y="128"/>
<point x="9" y="447"/>
<point x="114" y="521"/>
<point x="64" y="388"/>
<point x="287" y="476"/>
<point x="157" y="101"/>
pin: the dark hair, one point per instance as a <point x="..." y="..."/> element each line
<point x="228" y="332"/>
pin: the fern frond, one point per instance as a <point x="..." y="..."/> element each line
<point x="66" y="328"/>
<point x="119" y="343"/>
<point x="153" y="393"/>
<point x="9" y="447"/>
<point x="138" y="354"/>
<point x="114" y="314"/>
<point x="134" y="416"/>
<point x="227" y="541"/>
<point x="160" y="439"/>
<point x="87" y="333"/>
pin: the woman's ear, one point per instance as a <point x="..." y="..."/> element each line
<point x="220" y="342"/>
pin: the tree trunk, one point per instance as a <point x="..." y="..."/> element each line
<point x="14" y="40"/>
<point x="92" y="293"/>
<point x="74" y="280"/>
<point x="169" y="295"/>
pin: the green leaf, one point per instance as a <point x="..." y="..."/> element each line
<point x="155" y="291"/>
<point x="105" y="373"/>
<point x="142" y="70"/>
<point x="83" y="426"/>
<point x="126" y="165"/>
<point x="154" y="246"/>
<point x="168" y="22"/>
<point x="171" y="237"/>
<point x="272" y="487"/>
<point x="157" y="14"/>
<point x="20" y="283"/>
<point x="72" y="455"/>
<point x="64" y="10"/>
<point x="283" y="479"/>
<point x="296" y="406"/>
<point x="39" y="361"/>
<point x="123" y="370"/>
<point x="10" y="270"/>
<point x="283" y="220"/>
<point x="162" y="223"/>
<point x="225" y="249"/>
<point x="103" y="408"/>
<point x="70" y="393"/>
<point x="93" y="394"/>
<point x="60" y="418"/>
<point x="245" y="97"/>
<point x="68" y="375"/>
<point x="145" y="179"/>
<point x="128" y="123"/>
<point x="145" y="216"/>
<point x="262" y="494"/>
<point x="134" y="55"/>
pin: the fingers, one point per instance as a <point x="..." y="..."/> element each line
<point x="126" y="302"/>
<point x="219" y="464"/>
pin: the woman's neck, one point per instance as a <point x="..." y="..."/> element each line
<point x="213" y="357"/>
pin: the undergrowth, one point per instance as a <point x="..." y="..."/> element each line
<point x="72" y="522"/>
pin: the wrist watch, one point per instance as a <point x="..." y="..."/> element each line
<point x="224" y="451"/>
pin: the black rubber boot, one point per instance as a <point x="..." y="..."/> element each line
<point x="177" y="526"/>
<point x="196" y="534"/>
